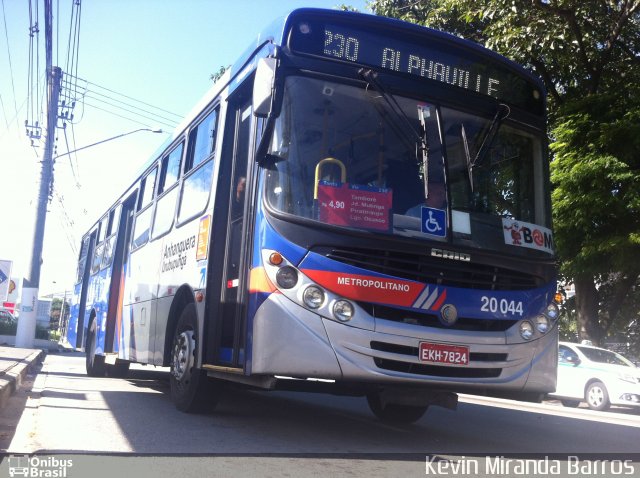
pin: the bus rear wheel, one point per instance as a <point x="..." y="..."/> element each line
<point x="395" y="413"/>
<point x="191" y="390"/>
<point x="94" y="363"/>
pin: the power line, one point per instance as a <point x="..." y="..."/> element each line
<point x="33" y="120"/>
<point x="133" y="120"/>
<point x="6" y="34"/>
<point x="92" y="95"/>
<point x="73" y="171"/>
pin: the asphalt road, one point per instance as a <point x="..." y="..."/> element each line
<point x="64" y="411"/>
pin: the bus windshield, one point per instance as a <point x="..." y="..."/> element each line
<point x="361" y="158"/>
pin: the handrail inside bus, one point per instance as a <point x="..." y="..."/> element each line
<point x="322" y="162"/>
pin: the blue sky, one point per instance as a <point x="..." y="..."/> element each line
<point x="161" y="52"/>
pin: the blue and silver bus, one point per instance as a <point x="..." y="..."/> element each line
<point x="359" y="206"/>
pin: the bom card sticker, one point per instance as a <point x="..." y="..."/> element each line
<point x="524" y="234"/>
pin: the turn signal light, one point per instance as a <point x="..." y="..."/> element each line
<point x="276" y="258"/>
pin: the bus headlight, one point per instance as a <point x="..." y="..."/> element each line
<point x="526" y="330"/>
<point x="343" y="310"/>
<point x="287" y="277"/>
<point x="542" y="324"/>
<point x="313" y="297"/>
<point x="552" y="311"/>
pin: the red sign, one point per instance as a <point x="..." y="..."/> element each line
<point x="381" y="290"/>
<point x="444" y="353"/>
<point x="356" y="206"/>
<point x="10" y="306"/>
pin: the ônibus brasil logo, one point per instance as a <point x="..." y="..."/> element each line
<point x="39" y="466"/>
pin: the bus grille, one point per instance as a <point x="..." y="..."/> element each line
<point x="436" y="370"/>
<point x="430" y="320"/>
<point x="433" y="270"/>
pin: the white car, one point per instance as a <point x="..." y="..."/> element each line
<point x="597" y="376"/>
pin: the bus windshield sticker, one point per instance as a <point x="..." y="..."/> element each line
<point x="434" y="221"/>
<point x="355" y="205"/>
<point x="524" y="234"/>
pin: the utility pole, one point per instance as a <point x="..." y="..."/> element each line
<point x="26" y="332"/>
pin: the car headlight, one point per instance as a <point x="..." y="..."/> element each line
<point x="343" y="310"/>
<point x="313" y="297"/>
<point x="542" y="324"/>
<point x="526" y="330"/>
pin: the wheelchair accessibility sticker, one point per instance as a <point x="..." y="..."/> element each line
<point x="434" y="221"/>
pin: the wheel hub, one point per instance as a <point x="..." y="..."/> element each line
<point x="596" y="396"/>
<point x="183" y="349"/>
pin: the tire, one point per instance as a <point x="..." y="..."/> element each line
<point x="118" y="370"/>
<point x="191" y="390"/>
<point x="94" y="363"/>
<point x="570" y="403"/>
<point x="394" y="413"/>
<point x="597" y="396"/>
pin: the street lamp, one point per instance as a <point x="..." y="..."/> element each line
<point x="109" y="139"/>
<point x="25" y="335"/>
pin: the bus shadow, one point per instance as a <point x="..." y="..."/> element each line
<point x="247" y="421"/>
<point x="136" y="415"/>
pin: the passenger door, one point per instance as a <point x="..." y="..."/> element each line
<point x="231" y="323"/>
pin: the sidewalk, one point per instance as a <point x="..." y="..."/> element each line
<point x="15" y="363"/>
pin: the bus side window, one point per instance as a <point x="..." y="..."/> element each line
<point x="82" y="261"/>
<point x="110" y="241"/>
<point x="99" y="249"/>
<point x="199" y="165"/>
<point x="145" y="201"/>
<point x="202" y="141"/>
<point x="170" y="169"/>
<point x="167" y="192"/>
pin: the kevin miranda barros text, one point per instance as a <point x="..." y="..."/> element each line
<point x="502" y="465"/>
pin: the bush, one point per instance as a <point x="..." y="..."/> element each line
<point x="42" y="332"/>
<point x="8" y="328"/>
<point x="11" y="329"/>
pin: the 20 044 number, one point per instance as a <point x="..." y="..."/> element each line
<point x="504" y="306"/>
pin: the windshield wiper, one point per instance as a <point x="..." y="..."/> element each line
<point x="502" y="113"/>
<point x="417" y="138"/>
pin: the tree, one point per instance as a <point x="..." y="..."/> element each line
<point x="587" y="52"/>
<point x="596" y="201"/>
<point x="56" y="310"/>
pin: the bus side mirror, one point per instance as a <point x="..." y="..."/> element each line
<point x="263" y="87"/>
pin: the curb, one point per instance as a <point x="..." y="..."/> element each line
<point x="12" y="379"/>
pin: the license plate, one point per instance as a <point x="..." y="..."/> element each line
<point x="444" y="353"/>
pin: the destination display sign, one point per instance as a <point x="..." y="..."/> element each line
<point x="427" y="55"/>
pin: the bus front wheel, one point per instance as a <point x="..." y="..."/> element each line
<point x="394" y="413"/>
<point x="191" y="390"/>
<point x="94" y="363"/>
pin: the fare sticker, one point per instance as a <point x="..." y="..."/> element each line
<point x="364" y="207"/>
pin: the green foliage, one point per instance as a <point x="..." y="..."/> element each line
<point x="596" y="177"/>
<point x="11" y="329"/>
<point x="8" y="328"/>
